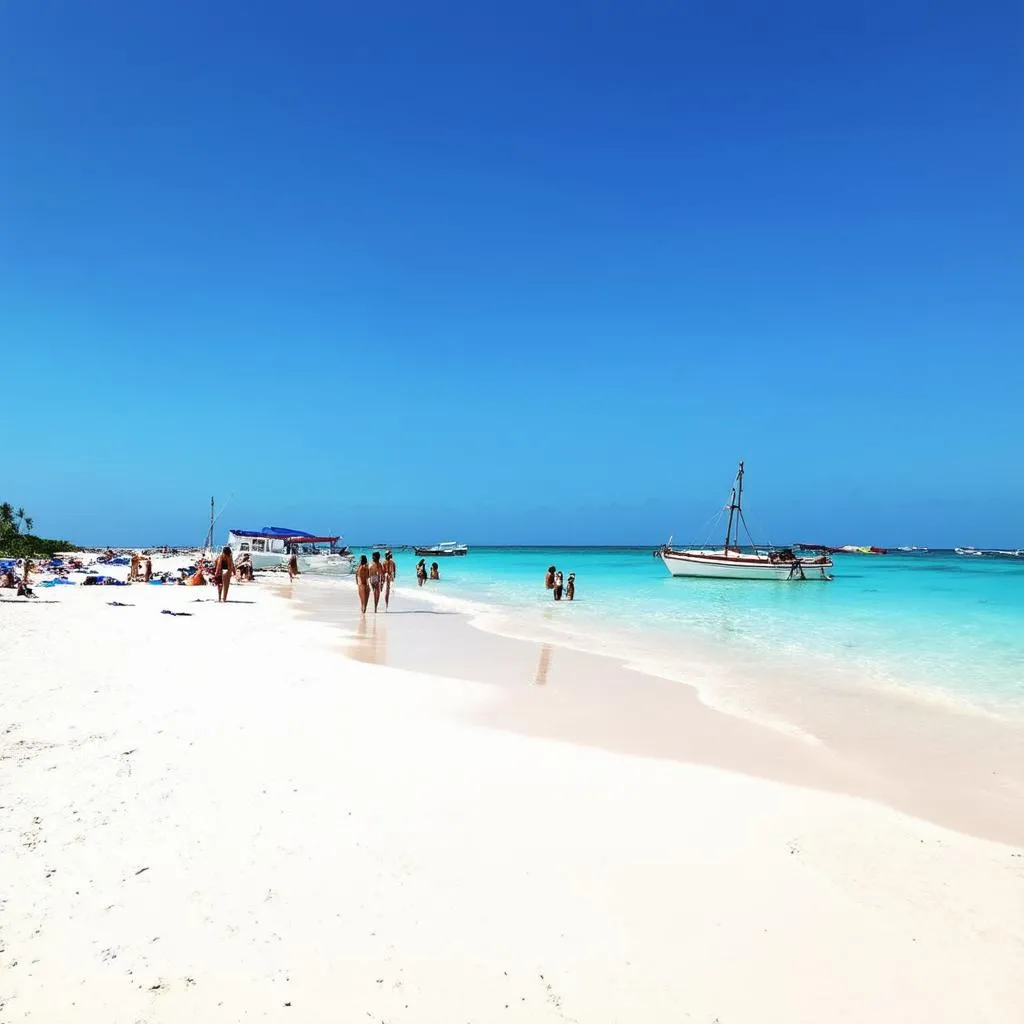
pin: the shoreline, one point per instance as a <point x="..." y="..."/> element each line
<point x="958" y="770"/>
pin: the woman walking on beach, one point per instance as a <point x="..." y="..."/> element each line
<point x="363" y="583"/>
<point x="376" y="579"/>
<point x="390" y="572"/>
<point x="223" y="570"/>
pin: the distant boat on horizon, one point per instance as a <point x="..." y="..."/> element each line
<point x="445" y="549"/>
<point x="991" y="552"/>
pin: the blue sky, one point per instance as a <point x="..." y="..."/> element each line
<point x="513" y="272"/>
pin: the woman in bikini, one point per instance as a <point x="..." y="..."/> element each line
<point x="376" y="579"/>
<point x="223" y="570"/>
<point x="421" y="572"/>
<point x="390" y="572"/>
<point x="435" y="573"/>
<point x="363" y="583"/>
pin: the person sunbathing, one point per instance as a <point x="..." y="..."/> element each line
<point x="7" y="580"/>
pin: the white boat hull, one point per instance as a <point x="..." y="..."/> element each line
<point x="334" y="565"/>
<point x="326" y="565"/>
<point x="717" y="565"/>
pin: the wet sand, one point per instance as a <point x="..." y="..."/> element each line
<point x="960" y="771"/>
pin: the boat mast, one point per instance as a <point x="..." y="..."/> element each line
<point x="209" y="533"/>
<point x="735" y="505"/>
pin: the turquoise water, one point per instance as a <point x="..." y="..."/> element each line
<point x="936" y="625"/>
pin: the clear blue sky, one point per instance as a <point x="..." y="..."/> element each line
<point x="513" y="272"/>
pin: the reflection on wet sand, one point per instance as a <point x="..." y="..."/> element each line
<point x="371" y="643"/>
<point x="543" y="665"/>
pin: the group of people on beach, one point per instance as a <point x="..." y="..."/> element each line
<point x="140" y="569"/>
<point x="10" y="580"/>
<point x="554" y="582"/>
<point x="376" y="577"/>
<point x="224" y="570"/>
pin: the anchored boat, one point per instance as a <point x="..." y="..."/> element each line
<point x="731" y="562"/>
<point x="271" y="547"/>
<point x="445" y="549"/>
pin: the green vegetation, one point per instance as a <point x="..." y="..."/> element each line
<point x="14" y="543"/>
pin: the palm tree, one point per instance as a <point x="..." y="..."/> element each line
<point x="6" y="514"/>
<point x="20" y="514"/>
<point x="29" y="523"/>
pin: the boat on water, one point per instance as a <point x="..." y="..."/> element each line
<point x="446" y="549"/>
<point x="732" y="562"/>
<point x="861" y="549"/>
<point x="271" y="547"/>
<point x="991" y="552"/>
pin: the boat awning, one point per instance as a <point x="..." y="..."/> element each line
<point x="280" y="533"/>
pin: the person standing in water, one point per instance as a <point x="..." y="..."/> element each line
<point x="376" y="579"/>
<point x="421" y="571"/>
<point x="435" y="573"/>
<point x="363" y="583"/>
<point x="390" y="572"/>
<point x="223" y="570"/>
<point x="570" y="587"/>
<point x="558" y="586"/>
<point x="549" y="578"/>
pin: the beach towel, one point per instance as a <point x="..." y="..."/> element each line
<point x="56" y="583"/>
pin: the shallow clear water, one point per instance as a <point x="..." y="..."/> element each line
<point x="937" y="625"/>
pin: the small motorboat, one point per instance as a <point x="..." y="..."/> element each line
<point x="446" y="549"/>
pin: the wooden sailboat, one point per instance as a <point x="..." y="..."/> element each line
<point x="731" y="562"/>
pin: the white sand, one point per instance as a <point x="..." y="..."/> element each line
<point x="220" y="818"/>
